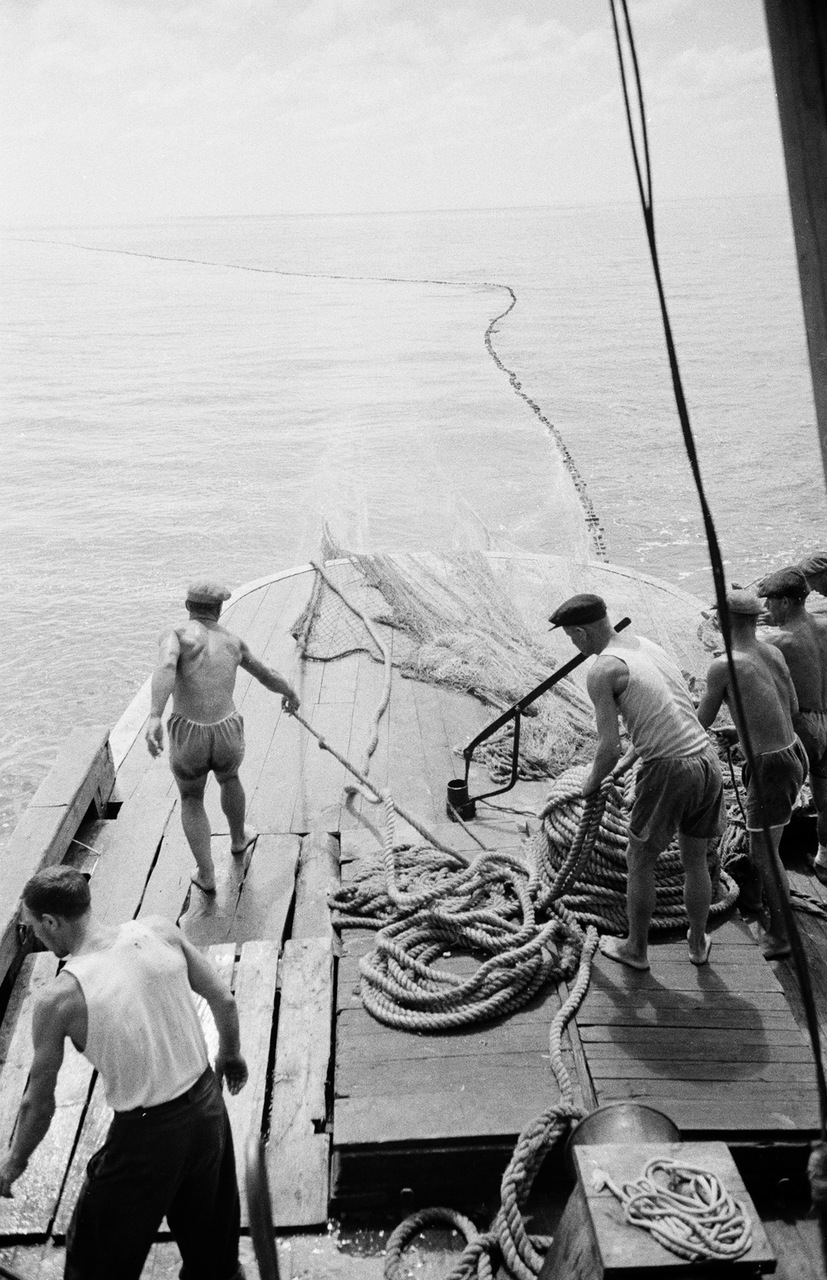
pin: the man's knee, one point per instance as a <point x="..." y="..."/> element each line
<point x="192" y="788"/>
<point x="641" y="855"/>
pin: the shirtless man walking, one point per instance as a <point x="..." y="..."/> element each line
<point x="679" y="788"/>
<point x="770" y="704"/>
<point x="802" y="639"/>
<point x="197" y="666"/>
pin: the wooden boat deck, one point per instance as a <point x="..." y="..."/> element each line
<point x="357" y="1115"/>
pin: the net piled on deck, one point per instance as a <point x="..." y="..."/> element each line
<point x="454" y="625"/>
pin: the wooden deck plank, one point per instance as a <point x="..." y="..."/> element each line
<point x="320" y="793"/>
<point x="275" y="797"/>
<point x="255" y="994"/>
<point x="81" y="776"/>
<point x="169" y="884"/>
<point x="296" y="1160"/>
<point x="92" y="1135"/>
<point x="128" y="846"/>
<point x="317" y="878"/>
<point x="407" y="771"/>
<point x="372" y="1122"/>
<point x="268" y="889"/>
<point x="369" y="685"/>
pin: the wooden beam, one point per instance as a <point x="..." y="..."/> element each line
<point x="82" y="775"/>
<point x="797" y="32"/>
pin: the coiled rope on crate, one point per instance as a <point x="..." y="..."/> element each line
<point x="691" y="1214"/>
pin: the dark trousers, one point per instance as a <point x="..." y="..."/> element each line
<point x="175" y="1160"/>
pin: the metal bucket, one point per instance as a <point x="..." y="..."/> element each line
<point x="620" y="1122"/>
<point x="458" y="802"/>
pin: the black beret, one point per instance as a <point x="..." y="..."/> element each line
<point x="789" y="583"/>
<point x="577" y="611"/>
<point x="816" y="563"/>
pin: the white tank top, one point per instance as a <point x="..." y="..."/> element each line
<point x="144" y="1036"/>
<point x="655" y="705"/>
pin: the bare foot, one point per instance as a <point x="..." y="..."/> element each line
<point x="618" y="949"/>
<point x="250" y="837"/>
<point x="207" y="888"/>
<point x="700" y="955"/>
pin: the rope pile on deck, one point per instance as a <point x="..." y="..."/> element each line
<point x="591" y="885"/>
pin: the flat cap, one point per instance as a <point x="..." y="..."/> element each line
<point x="816" y="563"/>
<point x="743" y="602"/>
<point x="577" y="611"/>
<point x="790" y="582"/>
<point x="206" y="591"/>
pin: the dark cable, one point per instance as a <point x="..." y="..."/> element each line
<point x="716" y="562"/>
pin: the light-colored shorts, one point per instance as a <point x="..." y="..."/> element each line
<point x="781" y="774"/>
<point x="195" y="749"/>
<point x="678" y="794"/>
<point x="811" y="727"/>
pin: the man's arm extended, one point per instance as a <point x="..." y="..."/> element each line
<point x="717" y="679"/>
<point x="229" y="1063"/>
<point x="269" y="678"/>
<point x="601" y="686"/>
<point x="38" y="1105"/>
<point x="163" y="683"/>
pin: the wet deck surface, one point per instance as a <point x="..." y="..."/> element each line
<point x="718" y="1048"/>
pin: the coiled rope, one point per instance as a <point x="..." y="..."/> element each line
<point x="508" y="1238"/>
<point x="691" y="1214"/>
<point x="588" y="875"/>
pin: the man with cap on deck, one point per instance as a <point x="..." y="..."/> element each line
<point x="680" y="787"/>
<point x="802" y="640"/>
<point x="197" y="666"/>
<point x="770" y="705"/>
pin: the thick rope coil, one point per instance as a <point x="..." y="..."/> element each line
<point x="593" y="887"/>
<point x="508" y="1238"/>
<point x="486" y="907"/>
<point x="691" y="1214"/>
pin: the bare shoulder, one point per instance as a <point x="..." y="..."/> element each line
<point x="774" y="654"/>
<point x="57" y="1004"/>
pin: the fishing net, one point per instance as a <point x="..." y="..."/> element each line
<point x="452" y="623"/>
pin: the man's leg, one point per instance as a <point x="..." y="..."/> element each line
<point x="776" y="944"/>
<point x="641" y="897"/>
<point x="123" y="1200"/>
<point x="818" y="787"/>
<point x="697" y="894"/>
<point x="234" y="805"/>
<point x="204" y="1216"/>
<point x="196" y="826"/>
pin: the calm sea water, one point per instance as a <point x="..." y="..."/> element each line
<point x="191" y="395"/>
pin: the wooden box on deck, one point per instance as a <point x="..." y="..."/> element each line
<point x="594" y="1242"/>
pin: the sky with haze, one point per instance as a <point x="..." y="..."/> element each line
<point x="115" y="111"/>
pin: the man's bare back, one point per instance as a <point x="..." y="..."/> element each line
<point x="803" y="643"/>
<point x="766" y="691"/>
<point x="207" y="661"/>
